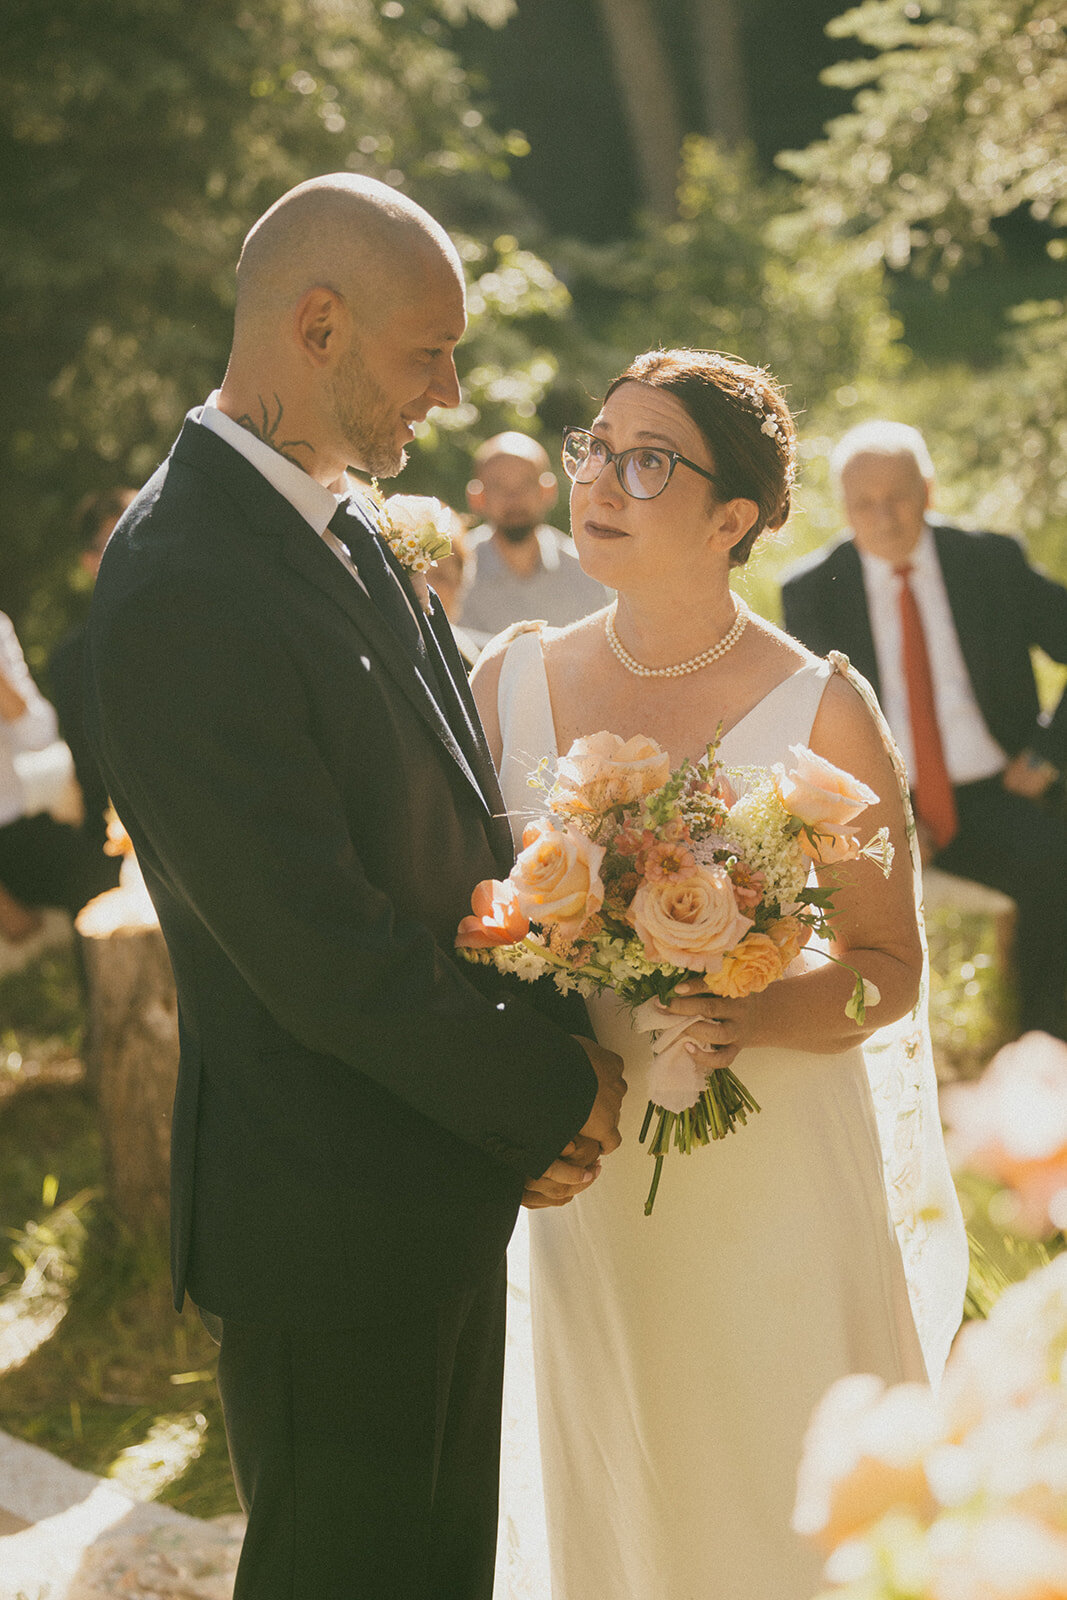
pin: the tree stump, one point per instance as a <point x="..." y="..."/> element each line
<point x="132" y="1048"/>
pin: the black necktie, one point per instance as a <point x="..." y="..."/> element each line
<point x="381" y="582"/>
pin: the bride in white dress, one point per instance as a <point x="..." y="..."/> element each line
<point x="678" y="1357"/>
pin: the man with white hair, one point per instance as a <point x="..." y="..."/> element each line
<point x="942" y="620"/>
<point x="292" y="745"/>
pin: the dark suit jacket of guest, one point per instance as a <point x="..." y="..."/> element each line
<point x="356" y="1108"/>
<point x="1001" y="606"/>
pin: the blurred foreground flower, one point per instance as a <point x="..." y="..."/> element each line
<point x="960" y="1495"/>
<point x="1011" y="1126"/>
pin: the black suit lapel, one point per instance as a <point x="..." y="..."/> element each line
<point x="260" y="505"/>
<point x="853" y="626"/>
<point x="318" y="565"/>
<point x="440" y="639"/>
<point x="964" y="583"/>
<point x="459" y="708"/>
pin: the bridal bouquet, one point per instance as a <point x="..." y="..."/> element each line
<point x="638" y="879"/>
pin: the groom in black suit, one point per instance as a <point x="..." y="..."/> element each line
<point x="981" y="606"/>
<point x="291" y="743"/>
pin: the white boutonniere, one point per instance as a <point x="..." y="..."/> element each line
<point x="416" y="527"/>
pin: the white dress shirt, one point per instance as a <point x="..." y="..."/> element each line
<point x="307" y="496"/>
<point x="36" y="729"/>
<point x="971" y="752"/>
<point x="304" y="493"/>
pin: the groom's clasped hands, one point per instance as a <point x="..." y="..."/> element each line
<point x="578" y="1164"/>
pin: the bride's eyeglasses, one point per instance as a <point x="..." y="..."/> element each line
<point x="643" y="471"/>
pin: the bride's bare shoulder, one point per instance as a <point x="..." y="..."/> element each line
<point x="572" y="647"/>
<point x="781" y="646"/>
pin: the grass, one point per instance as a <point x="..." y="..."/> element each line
<point x="123" y="1387"/>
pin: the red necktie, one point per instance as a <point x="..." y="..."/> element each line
<point x="935" y="803"/>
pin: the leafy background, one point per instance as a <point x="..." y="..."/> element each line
<point x="872" y="203"/>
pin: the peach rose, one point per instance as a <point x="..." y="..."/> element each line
<point x="557" y="876"/>
<point x="496" y="920"/>
<point x="755" y="963"/>
<point x="603" y="769"/>
<point x="821" y="795"/>
<point x="790" y="935"/>
<point x="689" y="922"/>
<point x="828" y="848"/>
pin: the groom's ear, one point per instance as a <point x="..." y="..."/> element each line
<point x="321" y="324"/>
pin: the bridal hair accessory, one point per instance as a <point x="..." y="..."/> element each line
<point x="770" y="424"/>
<point x="682" y="668"/>
<point x="640" y="880"/>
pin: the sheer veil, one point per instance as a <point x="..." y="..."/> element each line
<point x="900" y="1067"/>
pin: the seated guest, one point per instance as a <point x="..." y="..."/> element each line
<point x="942" y="621"/>
<point x="39" y="857"/>
<point x="519" y="566"/>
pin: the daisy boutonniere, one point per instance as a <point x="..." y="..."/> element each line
<point x="415" y="527"/>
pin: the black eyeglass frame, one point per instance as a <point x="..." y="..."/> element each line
<point x="614" y="457"/>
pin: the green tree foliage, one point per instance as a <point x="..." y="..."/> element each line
<point x="960" y="120"/>
<point x="740" y="270"/>
<point x="138" y="142"/>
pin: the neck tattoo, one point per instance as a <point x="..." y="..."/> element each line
<point x="267" y="430"/>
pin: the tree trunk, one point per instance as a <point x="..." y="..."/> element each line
<point x="649" y="99"/>
<point x="721" y="70"/>
<point x="132" y="1051"/>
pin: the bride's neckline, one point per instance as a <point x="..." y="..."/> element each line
<point x="805" y="666"/>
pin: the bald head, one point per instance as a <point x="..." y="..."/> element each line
<point x="344" y="232"/>
<point x="513" y="486"/>
<point x="516" y="447"/>
<point x="350" y="303"/>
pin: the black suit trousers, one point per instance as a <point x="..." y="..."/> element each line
<point x="1015" y="845"/>
<point x="368" y="1457"/>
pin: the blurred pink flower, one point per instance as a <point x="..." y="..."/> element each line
<point x="1011" y="1125"/>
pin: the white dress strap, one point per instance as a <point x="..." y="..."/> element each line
<point x="526" y="725"/>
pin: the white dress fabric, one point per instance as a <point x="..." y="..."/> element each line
<point x="678" y="1357"/>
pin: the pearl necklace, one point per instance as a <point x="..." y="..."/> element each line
<point x="683" y="668"/>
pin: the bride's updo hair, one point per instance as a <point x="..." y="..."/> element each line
<point x="746" y="424"/>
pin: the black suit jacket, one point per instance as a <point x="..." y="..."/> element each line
<point x="1001" y="606"/>
<point x="356" y="1108"/>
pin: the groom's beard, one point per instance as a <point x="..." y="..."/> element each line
<point x="517" y="535"/>
<point x="365" y="420"/>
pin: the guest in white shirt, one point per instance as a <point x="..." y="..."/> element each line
<point x="942" y="621"/>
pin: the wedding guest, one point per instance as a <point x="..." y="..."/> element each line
<point x="291" y="744"/>
<point x="446" y="580"/>
<point x="941" y="620"/>
<point x="39" y="857"/>
<point x="519" y="565"/>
